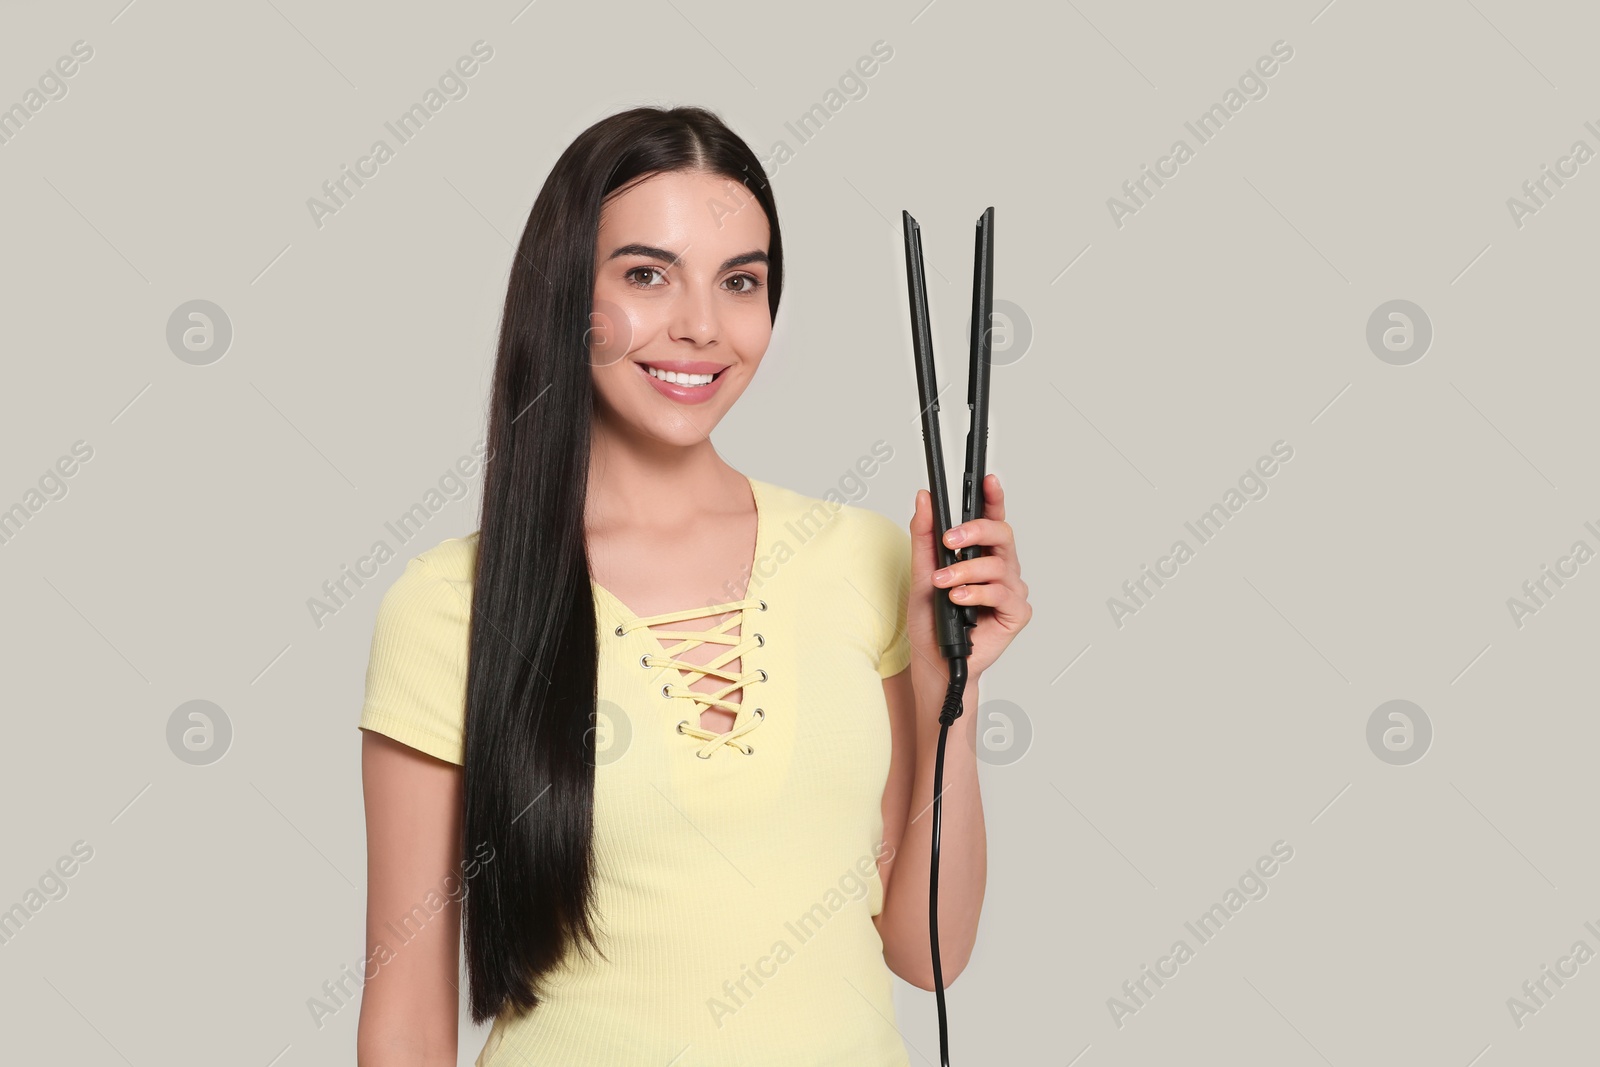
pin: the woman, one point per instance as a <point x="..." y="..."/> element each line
<point x="665" y="843"/>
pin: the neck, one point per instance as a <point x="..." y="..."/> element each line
<point x="666" y="485"/>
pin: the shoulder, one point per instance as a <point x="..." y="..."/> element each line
<point x="847" y="551"/>
<point x="432" y="591"/>
<point x="859" y="561"/>
<point x="832" y="530"/>
<point x="417" y="667"/>
<point x="451" y="560"/>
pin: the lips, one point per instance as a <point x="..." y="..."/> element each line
<point x="684" y="394"/>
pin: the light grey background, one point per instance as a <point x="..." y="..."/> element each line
<point x="1167" y="355"/>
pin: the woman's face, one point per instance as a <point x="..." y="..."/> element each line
<point x="680" y="286"/>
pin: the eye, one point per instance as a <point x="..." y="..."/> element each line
<point x="754" y="283"/>
<point x="636" y="270"/>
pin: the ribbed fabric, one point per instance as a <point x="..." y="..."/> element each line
<point x="735" y="892"/>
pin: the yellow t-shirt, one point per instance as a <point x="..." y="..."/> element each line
<point x="735" y="889"/>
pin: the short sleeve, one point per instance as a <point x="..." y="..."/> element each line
<point x="895" y="645"/>
<point x="417" y="669"/>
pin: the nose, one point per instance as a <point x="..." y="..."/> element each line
<point x="694" y="316"/>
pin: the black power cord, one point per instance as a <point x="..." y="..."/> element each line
<point x="953" y="698"/>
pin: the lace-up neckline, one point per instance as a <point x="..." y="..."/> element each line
<point x="740" y="646"/>
<point x="661" y="656"/>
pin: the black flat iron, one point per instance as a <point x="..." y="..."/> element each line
<point x="951" y="620"/>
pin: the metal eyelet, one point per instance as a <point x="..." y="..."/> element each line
<point x="760" y="641"/>
<point x="680" y="726"/>
<point x="644" y="661"/>
<point x="763" y="604"/>
<point x="760" y="714"/>
<point x="762" y="672"/>
<point x="702" y="755"/>
<point x="664" y="692"/>
<point x="618" y="630"/>
<point x="750" y="750"/>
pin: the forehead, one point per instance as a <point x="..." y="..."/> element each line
<point x="675" y="210"/>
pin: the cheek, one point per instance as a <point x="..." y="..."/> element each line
<point x="751" y="334"/>
<point x="616" y="328"/>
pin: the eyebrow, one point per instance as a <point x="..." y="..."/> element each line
<point x="672" y="258"/>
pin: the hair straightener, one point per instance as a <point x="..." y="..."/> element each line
<point x="951" y="620"/>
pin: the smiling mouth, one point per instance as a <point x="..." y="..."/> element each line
<point x="688" y="381"/>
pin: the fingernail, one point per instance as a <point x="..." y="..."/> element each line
<point x="955" y="536"/>
<point x="942" y="576"/>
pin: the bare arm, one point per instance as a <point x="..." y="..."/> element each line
<point x="410" y="1003"/>
<point x="915" y="696"/>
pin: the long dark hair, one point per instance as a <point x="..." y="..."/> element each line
<point x="533" y="652"/>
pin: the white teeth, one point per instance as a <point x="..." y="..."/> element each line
<point x="679" y="379"/>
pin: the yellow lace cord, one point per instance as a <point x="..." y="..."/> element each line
<point x="739" y="646"/>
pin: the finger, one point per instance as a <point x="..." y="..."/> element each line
<point x="995" y="533"/>
<point x="1008" y="601"/>
<point x="924" y="547"/>
<point x="976" y="569"/>
<point x="922" y="514"/>
<point x="994" y="498"/>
